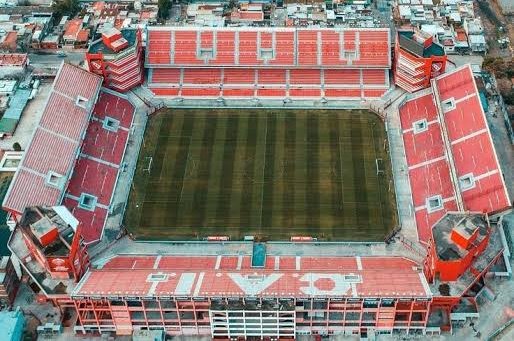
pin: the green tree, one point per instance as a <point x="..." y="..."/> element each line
<point x="17" y="147"/>
<point x="164" y="9"/>
<point x="65" y="7"/>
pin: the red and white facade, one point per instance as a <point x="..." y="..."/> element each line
<point x="225" y="297"/>
<point x="417" y="59"/>
<point x="117" y="59"/>
<point x="452" y="163"/>
<point x="301" y="63"/>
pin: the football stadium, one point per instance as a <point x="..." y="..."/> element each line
<point x="270" y="174"/>
<point x="261" y="183"/>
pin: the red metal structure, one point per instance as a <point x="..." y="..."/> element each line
<point x="117" y="56"/>
<point x="417" y="59"/>
<point x="198" y="62"/>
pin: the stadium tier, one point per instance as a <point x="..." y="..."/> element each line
<point x="218" y="295"/>
<point x="452" y="163"/>
<point x="268" y="62"/>
<point x="76" y="151"/>
<point x="49" y="159"/>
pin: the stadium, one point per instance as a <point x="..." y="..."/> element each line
<point x="275" y="184"/>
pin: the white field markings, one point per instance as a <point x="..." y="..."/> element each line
<point x="263" y="168"/>
<point x="377" y="176"/>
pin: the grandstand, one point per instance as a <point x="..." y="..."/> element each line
<point x="222" y="295"/>
<point x="76" y="151"/>
<point x="450" y="154"/>
<point x="268" y="62"/>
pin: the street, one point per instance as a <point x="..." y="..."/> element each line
<point x="54" y="60"/>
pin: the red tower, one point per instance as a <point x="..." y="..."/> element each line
<point x="457" y="239"/>
<point x="52" y="237"/>
<point x="417" y="59"/>
<point x="117" y="56"/>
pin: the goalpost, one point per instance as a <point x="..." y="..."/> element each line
<point x="149" y="167"/>
<point x="380" y="166"/>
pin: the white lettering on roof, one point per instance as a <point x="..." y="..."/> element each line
<point x="335" y="284"/>
<point x="185" y="283"/>
<point x="253" y="286"/>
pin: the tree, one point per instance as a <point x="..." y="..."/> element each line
<point x="164" y="9"/>
<point x="17" y="147"/>
<point x="65" y="7"/>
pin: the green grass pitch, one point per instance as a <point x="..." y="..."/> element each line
<point x="270" y="173"/>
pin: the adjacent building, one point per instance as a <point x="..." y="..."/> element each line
<point x="13" y="324"/>
<point x="9" y="281"/>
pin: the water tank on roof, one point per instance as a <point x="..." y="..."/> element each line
<point x="137" y="5"/>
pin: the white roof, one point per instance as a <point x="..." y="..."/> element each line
<point x="66" y="216"/>
<point x="404" y="10"/>
<point x="477" y="39"/>
<point x="455" y="16"/>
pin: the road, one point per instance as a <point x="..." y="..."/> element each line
<point x="53" y="60"/>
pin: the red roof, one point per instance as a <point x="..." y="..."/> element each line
<point x="282" y="276"/>
<point x="83" y="36"/>
<point x="72" y="29"/>
<point x="13" y="59"/>
<point x="248" y="15"/>
<point x="455" y="144"/>
<point x="56" y="141"/>
<point x="269" y="46"/>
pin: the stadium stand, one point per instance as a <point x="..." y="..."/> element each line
<point x="352" y="63"/>
<point x="294" y="288"/>
<point x="49" y="159"/>
<point x="452" y="163"/>
<point x="94" y="178"/>
<point x="76" y="152"/>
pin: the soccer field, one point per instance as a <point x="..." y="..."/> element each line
<point x="272" y="174"/>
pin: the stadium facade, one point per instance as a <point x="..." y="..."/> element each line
<point x="226" y="297"/>
<point x="457" y="193"/>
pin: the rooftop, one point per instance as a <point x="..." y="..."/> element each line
<point x="225" y="275"/>
<point x="480" y="264"/>
<point x="38" y="221"/>
<point x="409" y="42"/>
<point x="72" y="29"/>
<point x="466" y="225"/>
<point x="13" y="59"/>
<point x="12" y="323"/>
<point x="98" y="46"/>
